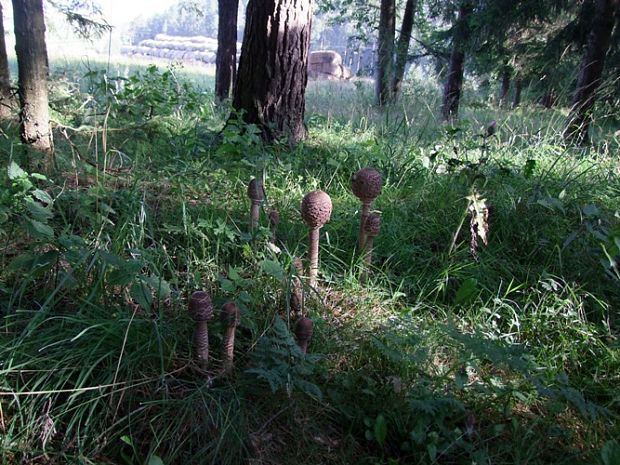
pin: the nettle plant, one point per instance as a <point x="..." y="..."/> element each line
<point x="24" y="205"/>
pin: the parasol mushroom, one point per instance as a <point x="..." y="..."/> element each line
<point x="366" y="185"/>
<point x="201" y="310"/>
<point x="229" y="317"/>
<point x="256" y="195"/>
<point x="303" y="332"/>
<point x="316" y="210"/>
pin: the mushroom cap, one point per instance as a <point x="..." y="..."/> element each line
<point x="303" y="328"/>
<point x="367" y="184"/>
<point x="229" y="316"/>
<point x="255" y="190"/>
<point x="200" y="306"/>
<point x="316" y="209"/>
<point x="372" y="225"/>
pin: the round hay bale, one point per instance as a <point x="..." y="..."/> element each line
<point x="325" y="56"/>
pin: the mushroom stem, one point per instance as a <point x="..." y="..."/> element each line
<point x="228" y="349"/>
<point x="313" y="253"/>
<point x="201" y="341"/>
<point x="274" y="221"/>
<point x="303" y="332"/>
<point x="297" y="289"/>
<point x="363" y="217"/>
<point x="254" y="214"/>
<point x="368" y="250"/>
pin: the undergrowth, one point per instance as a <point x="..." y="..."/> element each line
<point x="485" y="332"/>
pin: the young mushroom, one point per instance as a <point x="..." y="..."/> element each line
<point x="274" y="221"/>
<point x="297" y="289"/>
<point x="316" y="210"/>
<point x="303" y="332"/>
<point x="229" y="316"/>
<point x="201" y="310"/>
<point x="256" y="195"/>
<point x="366" y="185"/>
<point x="371" y="230"/>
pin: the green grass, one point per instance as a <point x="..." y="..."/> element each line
<point x="508" y="355"/>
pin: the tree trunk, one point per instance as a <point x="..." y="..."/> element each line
<point x="454" y="82"/>
<point x="226" y="59"/>
<point x="385" y="52"/>
<point x="503" y="96"/>
<point x="33" y="73"/>
<point x="516" y="100"/>
<point x="548" y="99"/>
<point x="402" y="47"/>
<point x="592" y="65"/>
<point x="273" y="67"/>
<point x="6" y="93"/>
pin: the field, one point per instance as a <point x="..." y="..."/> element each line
<point x="484" y="332"/>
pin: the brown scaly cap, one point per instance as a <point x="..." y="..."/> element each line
<point x="372" y="226"/>
<point x="303" y="329"/>
<point x="229" y="316"/>
<point x="255" y="190"/>
<point x="367" y="184"/>
<point x="200" y="306"/>
<point x="316" y="209"/>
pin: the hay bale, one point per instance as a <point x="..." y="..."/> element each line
<point x="325" y="56"/>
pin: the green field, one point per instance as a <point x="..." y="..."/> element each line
<point x="485" y="331"/>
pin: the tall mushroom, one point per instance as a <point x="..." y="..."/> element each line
<point x="297" y="290"/>
<point x="316" y="210"/>
<point x="256" y="195"/>
<point x="274" y="221"/>
<point x="303" y="332"/>
<point x="372" y="226"/>
<point x="201" y="310"/>
<point x="366" y="185"/>
<point x="229" y="316"/>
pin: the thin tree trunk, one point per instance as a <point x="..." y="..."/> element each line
<point x="591" y="71"/>
<point x="272" y="76"/>
<point x="33" y="73"/>
<point x="6" y="93"/>
<point x="226" y="59"/>
<point x="402" y="47"/>
<point x="516" y="100"/>
<point x="503" y="96"/>
<point x="454" y="82"/>
<point x="385" y="52"/>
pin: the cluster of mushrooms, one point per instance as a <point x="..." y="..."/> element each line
<point x="316" y="209"/>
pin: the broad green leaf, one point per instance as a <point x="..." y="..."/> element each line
<point x="380" y="429"/>
<point x="272" y="268"/>
<point x="467" y="291"/>
<point x="155" y="460"/>
<point x="42" y="196"/>
<point x="40" y="230"/>
<point x="15" y="172"/>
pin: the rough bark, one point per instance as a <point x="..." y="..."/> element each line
<point x="226" y="58"/>
<point x="272" y="76"/>
<point x="6" y="93"/>
<point x="516" y="100"/>
<point x="503" y="96"/>
<point x="591" y="70"/>
<point x="33" y="73"/>
<point x="402" y="47"/>
<point x="456" y="68"/>
<point x="385" y="52"/>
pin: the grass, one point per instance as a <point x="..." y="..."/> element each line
<point x="451" y="352"/>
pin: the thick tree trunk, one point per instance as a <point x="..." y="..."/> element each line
<point x="516" y="100"/>
<point x="6" y="93"/>
<point x="503" y="96"/>
<point x="272" y="76"/>
<point x="591" y="71"/>
<point x="385" y="52"/>
<point x="33" y="73"/>
<point x="402" y="47"/>
<point x="226" y="59"/>
<point x="454" y="82"/>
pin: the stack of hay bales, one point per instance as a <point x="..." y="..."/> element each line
<point x="198" y="48"/>
<point x="327" y="64"/>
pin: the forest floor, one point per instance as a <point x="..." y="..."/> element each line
<point x="485" y="331"/>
